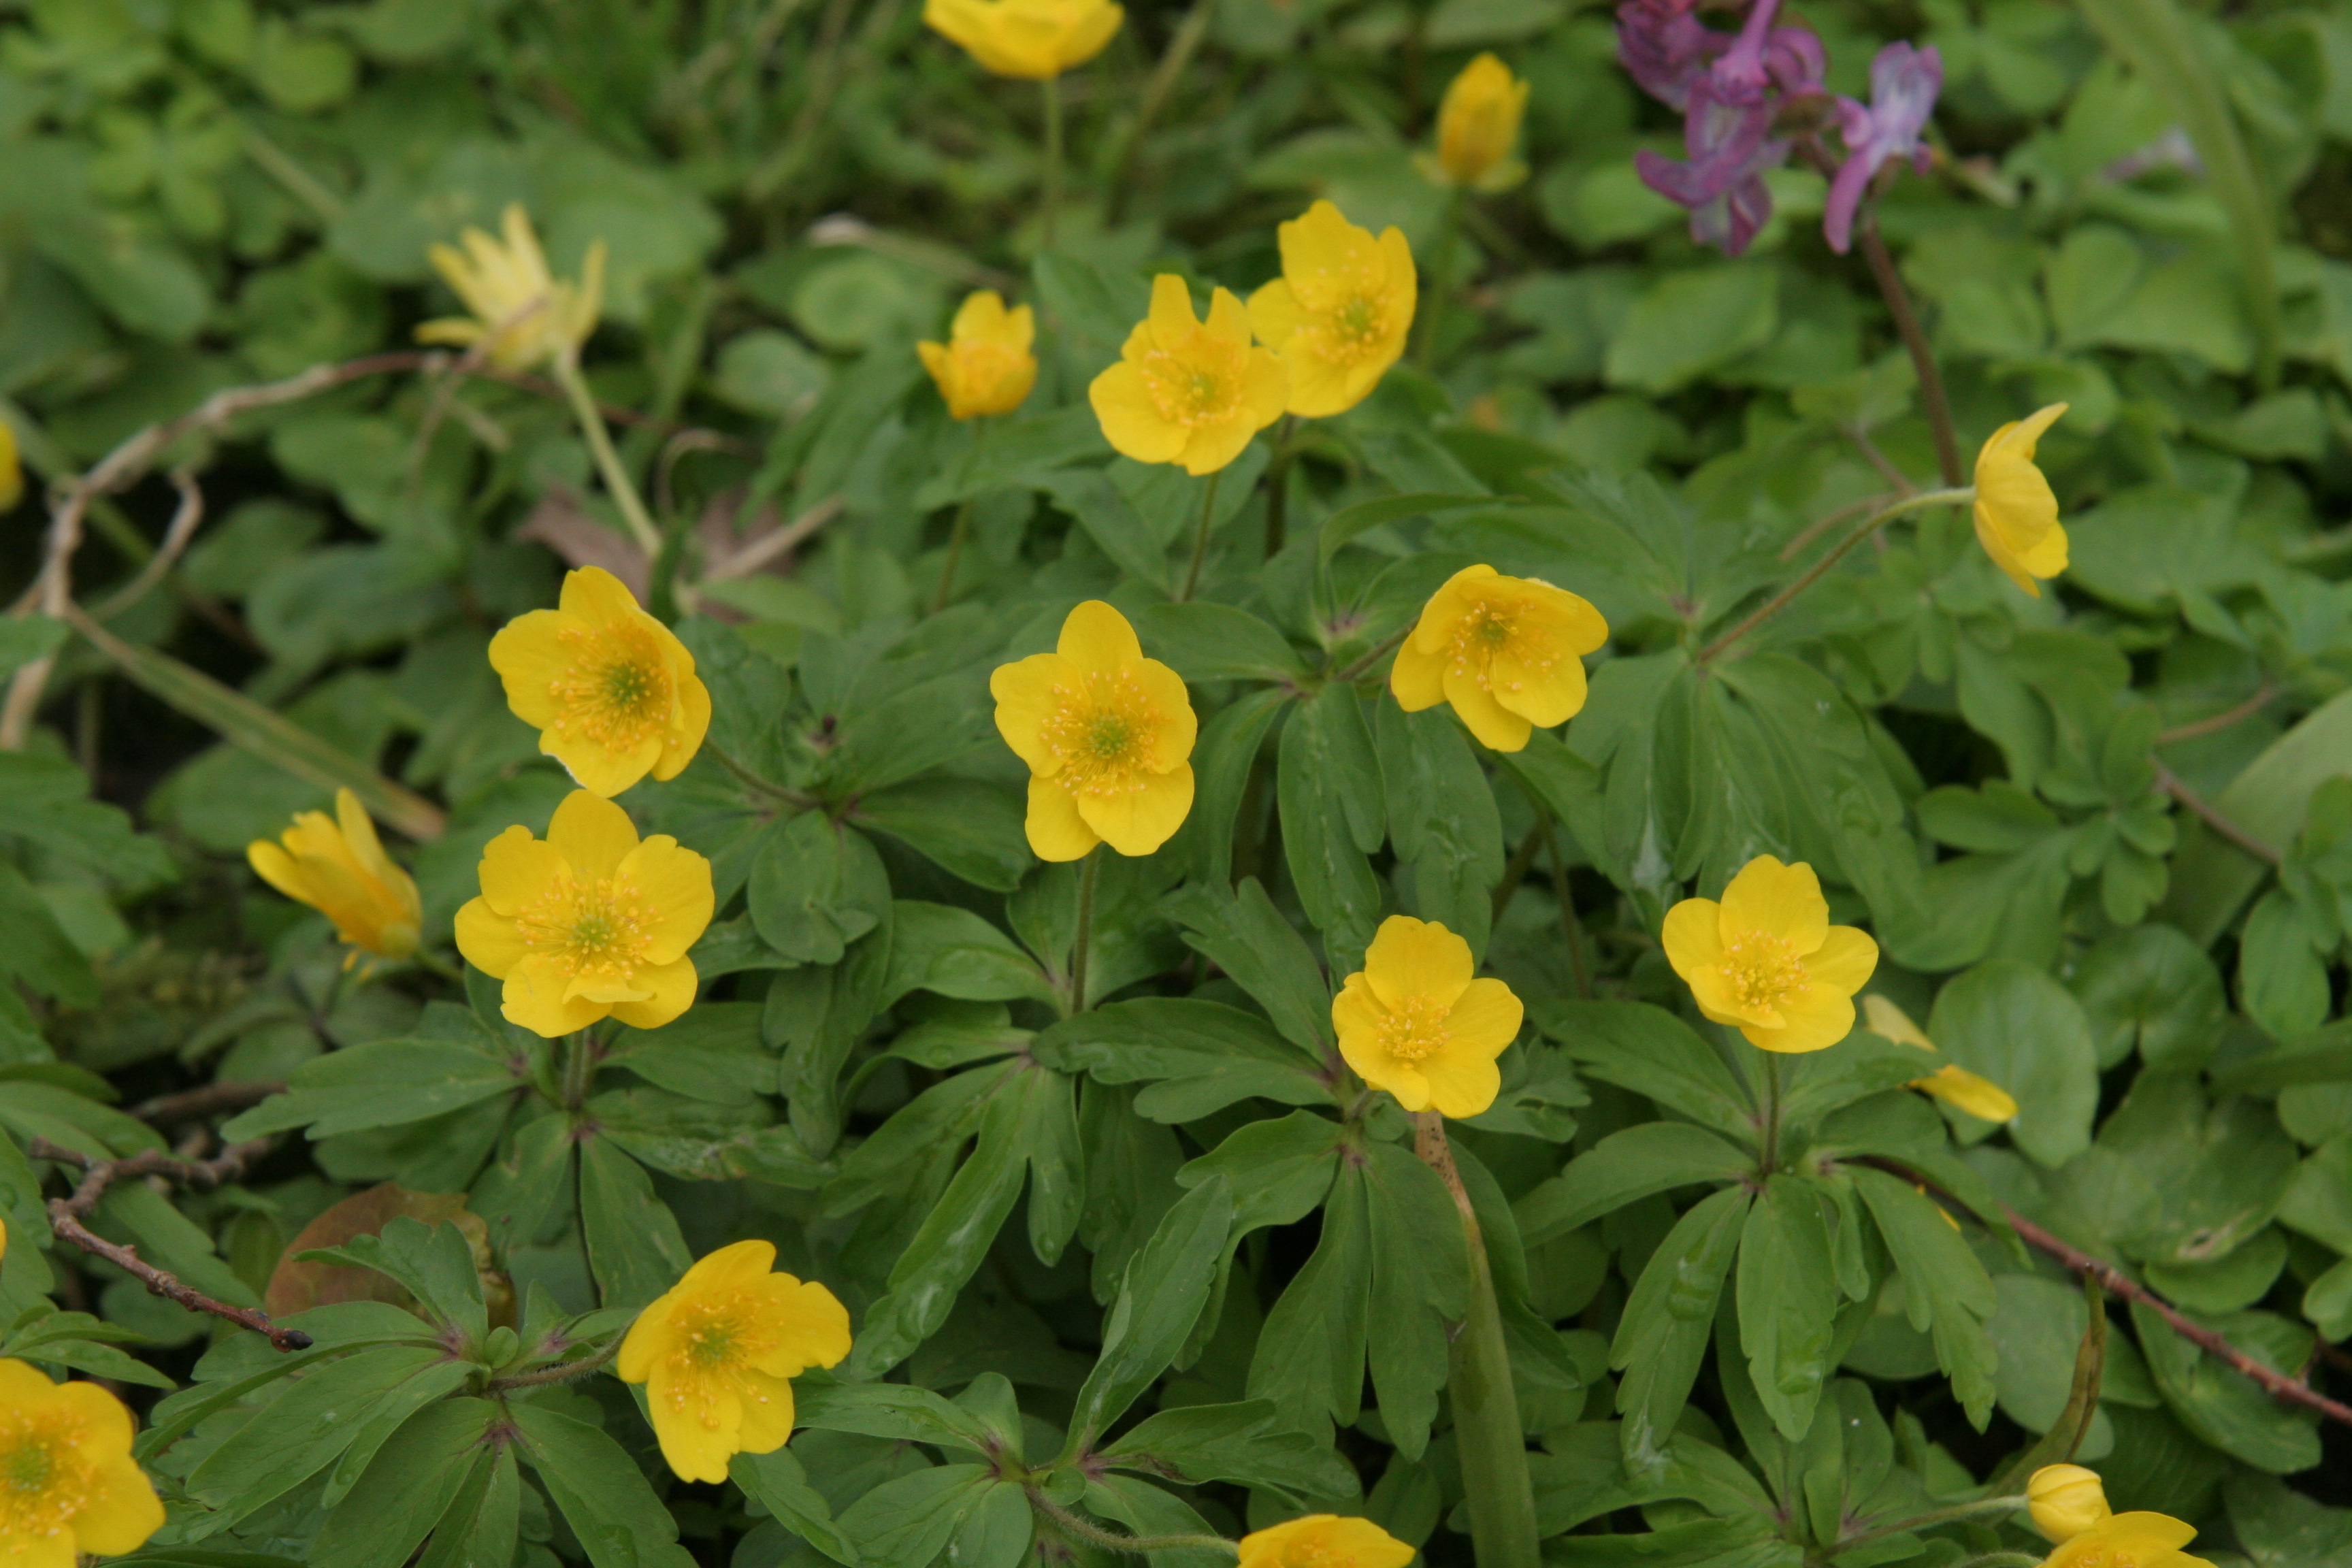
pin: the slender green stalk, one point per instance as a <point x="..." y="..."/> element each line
<point x="581" y="1057"/>
<point x="1277" y="486"/>
<point x="1915" y="339"/>
<point x="1492" y="1444"/>
<point x="1819" y="569"/>
<point x="1201" y="540"/>
<point x="1929" y="1520"/>
<point x="1181" y="50"/>
<point x="1077" y="1529"/>
<point x="432" y="962"/>
<point x="1568" y="916"/>
<point x="1441" y="279"/>
<point x="1080" y="950"/>
<point x="2005" y="1560"/>
<point x="790" y="797"/>
<point x="561" y="1372"/>
<point x="1053" y="90"/>
<point x="955" y="553"/>
<point x="623" y="488"/>
<point x="1771" y="1153"/>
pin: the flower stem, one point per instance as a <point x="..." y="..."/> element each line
<point x="1181" y="50"/>
<point x="1915" y="338"/>
<point x="955" y="552"/>
<point x="1052" y="201"/>
<point x="580" y="1068"/>
<point x="1819" y="569"/>
<point x="560" y="1371"/>
<point x="1929" y="1520"/>
<point x="1278" y="487"/>
<point x="432" y="962"/>
<point x="623" y="488"/>
<point x="1441" y="279"/>
<point x="1201" y="540"/>
<point x="1771" y="1151"/>
<point x="743" y="772"/>
<point x="1077" y="1529"/>
<point x="1079" y="950"/>
<point x="1492" y="1444"/>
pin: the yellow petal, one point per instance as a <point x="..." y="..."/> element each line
<point x="533" y="997"/>
<point x="671" y="989"/>
<point x="1408" y="957"/>
<point x="1179" y="727"/>
<point x="1543" y="697"/>
<point x="1844" y="961"/>
<point x="1497" y="727"/>
<point x="1097" y="639"/>
<point x="517" y="870"/>
<point x="1025" y="702"/>
<point x="1459" y="1083"/>
<point x="1813" y="1020"/>
<point x="694" y="1449"/>
<point x="487" y="940"/>
<point x="1417" y="679"/>
<point x="1693" y="938"/>
<point x="1056" y="830"/>
<point x="1275" y="313"/>
<point x="1141" y="818"/>
<point x="806" y="1326"/>
<point x="596" y="769"/>
<point x="1956" y="1085"/>
<point x="1130" y="421"/>
<point x="120" y="1508"/>
<point x="1434" y="630"/>
<point x="1171" y="316"/>
<point x="738" y="1263"/>
<point x="528" y="653"/>
<point x="1485" y="1018"/>
<point x="591" y="834"/>
<point x="676" y="886"/>
<point x="1777" y="900"/>
<point x="1884" y="1019"/>
<point x="767" y="1419"/>
<point x="690" y="722"/>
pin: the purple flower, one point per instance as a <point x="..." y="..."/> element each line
<point x="1730" y="146"/>
<point x="1664" y="49"/>
<point x="1904" y="82"/>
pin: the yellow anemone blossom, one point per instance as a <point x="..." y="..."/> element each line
<point x="1189" y="392"/>
<point x="1978" y="1097"/>
<point x="12" y="472"/>
<point x="1507" y="652"/>
<point x="1477" y="125"/>
<point x="2129" y="1541"/>
<point x="338" y="867"/>
<point x="68" y="1482"/>
<point x="588" y="922"/>
<point x="612" y="692"/>
<point x="2016" y="513"/>
<point x="1413" y="1021"/>
<point x="1323" y="1541"/>
<point x="1768" y="959"/>
<point x="1340" y="310"/>
<point x="985" y="366"/>
<point x="716" y="1353"/>
<point x="1107" y="735"/>
<point x="527" y="315"/>
<point x="1031" y="39"/>
<point x="2065" y="1500"/>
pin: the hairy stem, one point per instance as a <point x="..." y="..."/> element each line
<point x="1994" y="1505"/>
<point x="1278" y="487"/>
<point x="1051" y="87"/>
<point x="1077" y="1529"/>
<point x="1915" y="338"/>
<point x="1819" y="569"/>
<point x="1181" y="50"/>
<point x="1201" y="539"/>
<point x="561" y="1372"/>
<point x="955" y="553"/>
<point x="1771" y="1147"/>
<point x="623" y="488"/>
<point x="1082" y="949"/>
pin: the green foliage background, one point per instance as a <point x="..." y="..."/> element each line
<point x="1166" y="1229"/>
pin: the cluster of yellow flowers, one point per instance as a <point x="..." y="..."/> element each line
<point x="2069" y="1507"/>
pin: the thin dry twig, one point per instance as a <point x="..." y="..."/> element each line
<point x="67" y="1216"/>
<point x="196" y="1104"/>
<point x="2169" y="782"/>
<point x="2196" y="728"/>
<point x="185" y="522"/>
<point x="774" y="542"/>
<point x="1852" y="510"/>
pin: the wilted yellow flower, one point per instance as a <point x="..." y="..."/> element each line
<point x="1340" y="310"/>
<point x="2129" y="1541"/>
<point x="1107" y="735"/>
<point x="611" y="690"/>
<point x="68" y="1482"/>
<point x="1323" y="1541"/>
<point x="1032" y="40"/>
<point x="1477" y="125"/>
<point x="985" y="366"/>
<point x="12" y="472"/>
<point x="716" y="1353"/>
<point x="1978" y="1097"/>
<point x="527" y="315"/>
<point x="1768" y="959"/>
<point x="2065" y="1500"/>
<point x="1413" y="1021"/>
<point x="1186" y="391"/>
<point x="589" y="922"/>
<point x="338" y="867"/>
<point x="2016" y="513"/>
<point x="1507" y="652"/>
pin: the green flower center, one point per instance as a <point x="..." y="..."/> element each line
<point x="1414" y="1030"/>
<point x="1102" y="729"/>
<point x="1764" y="971"/>
<point x="600" y="926"/>
<point x="616" y="691"/>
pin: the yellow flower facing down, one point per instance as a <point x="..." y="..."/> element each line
<point x="611" y="690"/>
<point x="1507" y="652"/>
<point x="1339" y="313"/>
<point x="2016" y="512"/>
<point x="338" y="867"/>
<point x="985" y="366"/>
<point x="1477" y="125"/>
<point x="2129" y="1541"/>
<point x="1323" y="1541"/>
<point x="588" y="922"/>
<point x="12" y="471"/>
<point x="1108" y="736"/>
<point x="2065" y="1500"/>
<point x="1031" y="39"/>
<point x="1186" y="391"/>
<point x="525" y="314"/>
<point x="717" y="1354"/>
<point x="1768" y="960"/>
<point x="68" y="1482"/>
<point x="1415" y="1021"/>
<point x="1979" y="1097"/>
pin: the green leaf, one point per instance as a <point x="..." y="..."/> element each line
<point x="1223" y="757"/>
<point x="954" y="952"/>
<point x="815" y="887"/>
<point x="1420" y="1287"/>
<point x="1204" y="642"/>
<point x="2280" y="1527"/>
<point x="1787" y="1302"/>
<point x="1167" y="1284"/>
<point x="1663" y="1333"/>
<point x="1688" y="323"/>
<point x="964" y="826"/>
<point x="2014" y="1024"/>
<point x="910" y="1520"/>
<point x="1244" y="1443"/>
<point x="1651" y="1052"/>
<point x="2152" y="989"/>
<point x="23" y="638"/>
<point x="2211" y="878"/>
<point x="1309" y="1359"/>
<point x="713" y="1053"/>
<point x="600" y="1492"/>
<point x="2283" y="980"/>
<point x="634" y="1248"/>
<point x="407" y="1488"/>
<point x="896" y="1411"/>
<point x="49" y="807"/>
<point x="1244" y="935"/>
<point x="293" y="1438"/>
<point x="2035" y="1332"/>
<point x="778" y="1483"/>
<point x="1946" y="1287"/>
<point x="2222" y="1406"/>
<point x="1442" y="820"/>
<point x="434" y="1263"/>
<point x="484" y="1520"/>
<point x="1199" y="1057"/>
<point x="1348" y="522"/>
<point x="386" y="1083"/>
<point x="38" y="951"/>
<point x="1653" y="1157"/>
<point x="1328" y="785"/>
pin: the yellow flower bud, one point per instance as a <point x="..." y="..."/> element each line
<point x="1031" y="39"/>
<point x="12" y="473"/>
<point x="2065" y="1500"/>
<point x="1478" y="123"/>
<point x="985" y="366"/>
<point x="2016" y="512"/>
<point x="338" y="867"/>
<point x="525" y="313"/>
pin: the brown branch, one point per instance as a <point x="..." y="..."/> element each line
<point x="2169" y="782"/>
<point x="2220" y="721"/>
<point x="196" y="1104"/>
<point x="183" y="529"/>
<point x="66" y="1214"/>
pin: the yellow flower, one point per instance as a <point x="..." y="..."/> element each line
<point x="1189" y="392"/>
<point x="985" y="366"/>
<point x="68" y="1483"/>
<point x="12" y="473"/>
<point x="1507" y="652"/>
<point x="716" y="1353"/>
<point x="2129" y="1541"/>
<point x="1032" y="40"/>
<point x="588" y="923"/>
<point x="2065" y="1500"/>
<point x="1340" y="312"/>
<point x="1477" y="125"/>
<point x="2016" y="514"/>
<point x="1413" y="1021"/>
<point x="1107" y="734"/>
<point x="1323" y="1541"/>
<point x="1978" y="1097"/>
<point x="1768" y="959"/>
<point x="527" y="315"/>
<point x="338" y="867"/>
<point x="612" y="692"/>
